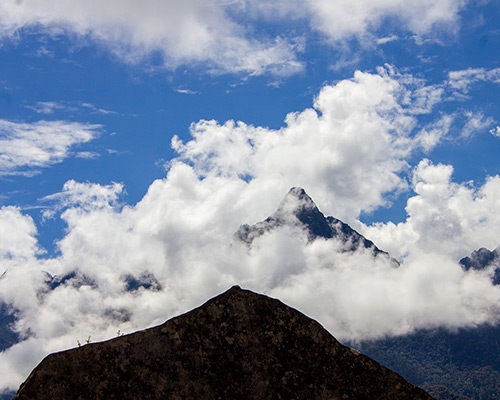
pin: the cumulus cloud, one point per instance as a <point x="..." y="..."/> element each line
<point x="25" y="147"/>
<point x="221" y="36"/>
<point x="350" y="151"/>
<point x="444" y="217"/>
<point x="351" y="145"/>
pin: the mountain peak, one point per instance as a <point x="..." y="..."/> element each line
<point x="296" y="203"/>
<point x="296" y="199"/>
<point x="238" y="345"/>
<point x="298" y="210"/>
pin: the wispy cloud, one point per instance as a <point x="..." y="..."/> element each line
<point x="186" y="91"/>
<point x="462" y="80"/>
<point x="387" y="39"/>
<point x="50" y="107"/>
<point x="475" y="122"/>
<point x="27" y="147"/>
<point x="88" y="155"/>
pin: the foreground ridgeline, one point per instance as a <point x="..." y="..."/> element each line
<point x="239" y="345"/>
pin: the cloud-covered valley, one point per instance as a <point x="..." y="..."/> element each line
<point x="363" y="143"/>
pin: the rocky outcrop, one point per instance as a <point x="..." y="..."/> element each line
<point x="239" y="345"/>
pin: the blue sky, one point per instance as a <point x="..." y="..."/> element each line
<point x="385" y="111"/>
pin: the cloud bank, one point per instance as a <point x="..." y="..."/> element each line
<point x="221" y="36"/>
<point x="125" y="267"/>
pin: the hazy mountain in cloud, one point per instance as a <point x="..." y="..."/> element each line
<point x="7" y="336"/>
<point x="76" y="279"/>
<point x="298" y="210"/>
<point x="239" y="345"/>
<point x="484" y="259"/>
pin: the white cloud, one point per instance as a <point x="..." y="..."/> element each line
<point x="220" y="36"/>
<point x="444" y="217"/>
<point x="47" y="107"/>
<point x="347" y="151"/>
<point x="461" y="81"/>
<point x="387" y="39"/>
<point x="25" y="147"/>
<point x="86" y="196"/>
<point x="190" y="31"/>
<point x="495" y="131"/>
<point x="17" y="235"/>
<point x="343" y="18"/>
<point x="88" y="155"/>
<point x="350" y="152"/>
<point x="434" y="132"/>
<point x="186" y="91"/>
<point x="475" y="122"/>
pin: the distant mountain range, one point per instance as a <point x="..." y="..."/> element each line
<point x="450" y="365"/>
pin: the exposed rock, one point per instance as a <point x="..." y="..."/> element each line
<point x="239" y="345"/>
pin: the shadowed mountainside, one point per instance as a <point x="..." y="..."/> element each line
<point x="238" y="345"/>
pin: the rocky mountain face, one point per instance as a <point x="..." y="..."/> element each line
<point x="297" y="210"/>
<point x="239" y="345"/>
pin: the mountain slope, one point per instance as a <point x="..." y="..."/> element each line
<point x="239" y="345"/>
<point x="467" y="362"/>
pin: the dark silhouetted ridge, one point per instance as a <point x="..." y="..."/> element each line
<point x="238" y="345"/>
